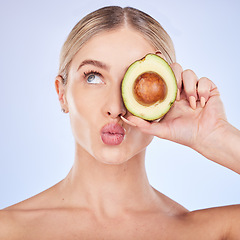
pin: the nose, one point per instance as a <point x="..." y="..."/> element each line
<point x="114" y="106"/>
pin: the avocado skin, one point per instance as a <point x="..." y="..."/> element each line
<point x="149" y="63"/>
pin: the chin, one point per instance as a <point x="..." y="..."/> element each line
<point x="113" y="157"/>
<point x="114" y="162"/>
<point x="118" y="155"/>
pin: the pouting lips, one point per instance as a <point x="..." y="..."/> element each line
<point x="112" y="134"/>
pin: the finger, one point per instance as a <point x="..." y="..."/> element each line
<point x="177" y="69"/>
<point x="153" y="128"/>
<point x="128" y="122"/>
<point x="189" y="82"/>
<point x="204" y="87"/>
<point x="138" y="122"/>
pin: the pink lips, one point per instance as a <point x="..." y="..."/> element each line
<point x="112" y="134"/>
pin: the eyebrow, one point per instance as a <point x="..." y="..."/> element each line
<point x="94" y="63"/>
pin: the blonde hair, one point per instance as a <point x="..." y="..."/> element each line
<point x="110" y="18"/>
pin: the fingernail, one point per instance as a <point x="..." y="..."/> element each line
<point x="158" y="120"/>
<point x="192" y="101"/>
<point x="203" y="101"/>
<point x="178" y="95"/>
<point x="128" y="122"/>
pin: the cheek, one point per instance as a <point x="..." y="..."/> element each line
<point x="80" y="126"/>
<point x="138" y="140"/>
<point x="82" y="112"/>
<point x="81" y="101"/>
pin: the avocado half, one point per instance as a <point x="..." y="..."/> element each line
<point x="149" y="87"/>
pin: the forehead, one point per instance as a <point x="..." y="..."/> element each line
<point x="123" y="44"/>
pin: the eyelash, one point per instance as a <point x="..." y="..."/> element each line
<point x="86" y="74"/>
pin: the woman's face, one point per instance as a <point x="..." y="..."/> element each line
<point x="93" y="96"/>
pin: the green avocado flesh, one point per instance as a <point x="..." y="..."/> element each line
<point x="149" y="88"/>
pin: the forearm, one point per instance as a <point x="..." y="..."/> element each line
<point x="225" y="150"/>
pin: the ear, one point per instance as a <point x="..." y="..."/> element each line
<point x="61" y="92"/>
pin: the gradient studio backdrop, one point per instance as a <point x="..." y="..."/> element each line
<point x="36" y="142"/>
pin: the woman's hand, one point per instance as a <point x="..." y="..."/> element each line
<point x="197" y="118"/>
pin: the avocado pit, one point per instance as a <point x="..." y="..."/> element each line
<point x="149" y="88"/>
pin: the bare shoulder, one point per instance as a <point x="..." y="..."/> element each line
<point x="216" y="223"/>
<point x="13" y="222"/>
<point x="7" y="225"/>
<point x="213" y="223"/>
<point x="42" y="200"/>
<point x="16" y="222"/>
<point x="15" y="219"/>
<point x="169" y="205"/>
<point x="223" y="221"/>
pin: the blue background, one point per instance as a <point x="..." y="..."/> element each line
<point x="36" y="143"/>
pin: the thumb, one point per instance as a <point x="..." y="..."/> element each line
<point x="157" y="129"/>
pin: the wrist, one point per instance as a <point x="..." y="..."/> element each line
<point x="222" y="146"/>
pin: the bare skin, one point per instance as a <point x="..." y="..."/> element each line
<point x="106" y="195"/>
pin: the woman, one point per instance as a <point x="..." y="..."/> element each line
<point x="106" y="195"/>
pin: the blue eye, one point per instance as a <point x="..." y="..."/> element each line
<point x="93" y="78"/>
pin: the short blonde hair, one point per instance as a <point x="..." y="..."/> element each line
<point x="110" y="18"/>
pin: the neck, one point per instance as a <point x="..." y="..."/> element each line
<point x="108" y="188"/>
